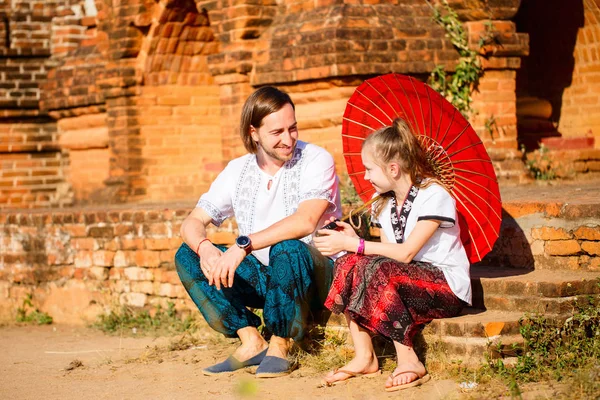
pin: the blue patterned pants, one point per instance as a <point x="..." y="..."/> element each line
<point x="295" y="284"/>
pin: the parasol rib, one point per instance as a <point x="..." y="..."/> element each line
<point x="447" y="147"/>
<point x="411" y="107"/>
<point x="474" y="173"/>
<point x="481" y="186"/>
<point x="396" y="97"/>
<point x="368" y="113"/>
<point x="372" y="102"/>
<point x="441" y="113"/>
<point x="482" y="199"/>
<point x="482" y="230"/>
<point x="358" y="123"/>
<point x="384" y="98"/>
<point x="476" y="221"/>
<point x="474" y="245"/>
<point x="449" y="125"/>
<point x="353" y="137"/>
<point x="411" y="80"/>
<point x="479" y="143"/>
<point x="472" y="160"/>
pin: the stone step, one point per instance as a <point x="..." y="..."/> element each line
<point x="470" y="336"/>
<point x="549" y="291"/>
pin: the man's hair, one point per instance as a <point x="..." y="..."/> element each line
<point x="261" y="103"/>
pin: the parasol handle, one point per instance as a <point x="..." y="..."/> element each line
<point x="359" y="211"/>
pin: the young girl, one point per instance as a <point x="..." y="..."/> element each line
<point x="418" y="272"/>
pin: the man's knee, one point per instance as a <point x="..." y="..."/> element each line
<point x="185" y="261"/>
<point x="287" y="246"/>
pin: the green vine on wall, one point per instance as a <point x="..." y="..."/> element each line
<point x="457" y="86"/>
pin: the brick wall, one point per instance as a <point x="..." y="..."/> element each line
<point x="549" y="235"/>
<point x="181" y="144"/>
<point x="84" y="139"/>
<point x="158" y="70"/>
<point x="32" y="166"/>
<point x="581" y="100"/>
<point x="80" y="263"/>
<point x="25" y="32"/>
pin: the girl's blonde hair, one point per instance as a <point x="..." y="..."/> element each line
<point x="397" y="143"/>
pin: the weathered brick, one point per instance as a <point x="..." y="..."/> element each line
<point x="146" y="287"/>
<point x="592" y="248"/>
<point x="170" y="290"/>
<point x="132" y="244"/>
<point x="550" y="233"/>
<point x="83" y="259"/>
<point x="103" y="258"/>
<point x="147" y="258"/>
<point x="99" y="273"/>
<point x="137" y="274"/>
<point x="133" y="299"/>
<point x="124" y="259"/>
<point x="101" y="231"/>
<point x="562" y="247"/>
<point x="587" y="233"/>
<point x="157" y="244"/>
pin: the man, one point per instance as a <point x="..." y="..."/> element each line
<point x="279" y="194"/>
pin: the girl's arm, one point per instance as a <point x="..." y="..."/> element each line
<point x="333" y="242"/>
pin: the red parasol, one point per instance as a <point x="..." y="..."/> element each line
<point x="456" y="153"/>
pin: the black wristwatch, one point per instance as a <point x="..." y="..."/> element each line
<point x="244" y="242"/>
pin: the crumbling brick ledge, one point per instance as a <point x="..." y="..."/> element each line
<point x="78" y="263"/>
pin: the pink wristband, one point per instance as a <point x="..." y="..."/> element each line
<point x="361" y="247"/>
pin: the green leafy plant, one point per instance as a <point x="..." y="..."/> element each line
<point x="142" y="321"/>
<point x="543" y="166"/>
<point x="554" y="349"/>
<point x="457" y="86"/>
<point x="29" y="314"/>
<point x="348" y="192"/>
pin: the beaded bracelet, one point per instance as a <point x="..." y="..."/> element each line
<point x="198" y="247"/>
<point x="361" y="247"/>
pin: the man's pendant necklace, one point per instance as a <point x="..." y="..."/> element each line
<point x="269" y="184"/>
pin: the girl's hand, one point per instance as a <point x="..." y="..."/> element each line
<point x="346" y="229"/>
<point x="331" y="242"/>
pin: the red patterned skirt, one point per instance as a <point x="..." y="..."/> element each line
<point x="391" y="298"/>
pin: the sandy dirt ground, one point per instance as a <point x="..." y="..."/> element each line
<point x="43" y="362"/>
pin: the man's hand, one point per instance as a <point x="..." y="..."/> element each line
<point x="209" y="255"/>
<point x="223" y="271"/>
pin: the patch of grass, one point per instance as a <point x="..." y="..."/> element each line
<point x="544" y="165"/>
<point x="327" y="350"/>
<point x="560" y="357"/>
<point x="135" y="321"/>
<point x="29" y="314"/>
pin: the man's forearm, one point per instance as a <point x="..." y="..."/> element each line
<point x="292" y="227"/>
<point x="298" y="225"/>
<point x="193" y="231"/>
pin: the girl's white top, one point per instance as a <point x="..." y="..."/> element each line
<point x="242" y="191"/>
<point x="444" y="249"/>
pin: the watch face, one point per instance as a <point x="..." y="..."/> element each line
<point x="243" y="241"/>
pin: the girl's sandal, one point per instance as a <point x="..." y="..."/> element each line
<point x="417" y="382"/>
<point x="351" y="374"/>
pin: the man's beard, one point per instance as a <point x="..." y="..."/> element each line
<point x="275" y="155"/>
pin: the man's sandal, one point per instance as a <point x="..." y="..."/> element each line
<point x="416" y="382"/>
<point x="274" y="367"/>
<point x="351" y="374"/>
<point x="232" y="364"/>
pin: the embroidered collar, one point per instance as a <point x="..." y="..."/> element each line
<point x="399" y="219"/>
